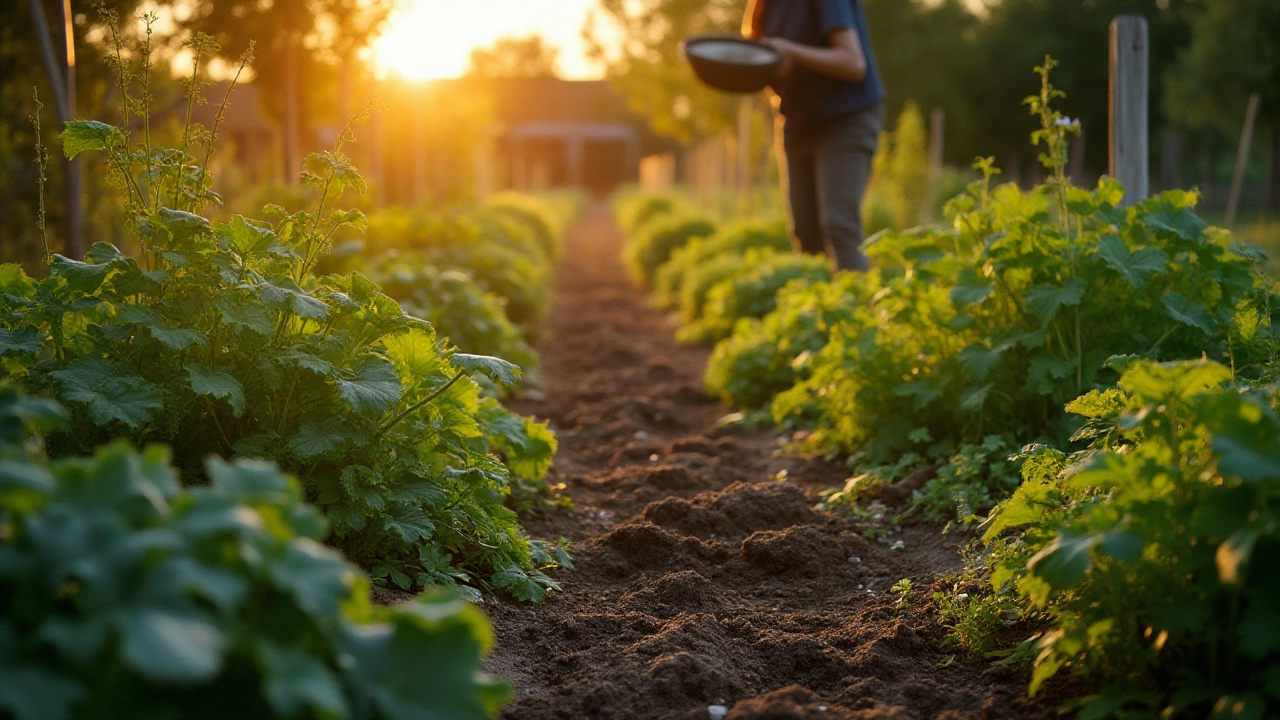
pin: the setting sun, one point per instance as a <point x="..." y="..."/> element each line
<point x="430" y="39"/>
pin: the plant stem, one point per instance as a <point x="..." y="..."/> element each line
<point x="412" y="408"/>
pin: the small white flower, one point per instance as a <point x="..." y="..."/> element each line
<point x="1067" y="122"/>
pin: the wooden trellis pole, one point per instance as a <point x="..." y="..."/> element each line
<point x="1130" y="53"/>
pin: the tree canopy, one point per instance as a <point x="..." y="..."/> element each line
<point x="516" y="57"/>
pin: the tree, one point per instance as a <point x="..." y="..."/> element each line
<point x="1234" y="52"/>
<point x="34" y="55"/>
<point x="516" y="57"/>
<point x="646" y="66"/>
<point x="296" y="38"/>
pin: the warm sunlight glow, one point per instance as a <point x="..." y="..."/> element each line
<point x="429" y="39"/>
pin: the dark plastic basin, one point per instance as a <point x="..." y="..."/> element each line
<point x="732" y="63"/>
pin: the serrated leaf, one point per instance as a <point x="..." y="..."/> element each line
<point x="1181" y="221"/>
<point x="1046" y="300"/>
<point x="970" y="288"/>
<point x="24" y="339"/>
<point x="352" y="218"/>
<point x="409" y="523"/>
<point x="316" y="438"/>
<point x="110" y="393"/>
<point x="374" y="388"/>
<point x="245" y="314"/>
<point x="284" y="294"/>
<point x="496" y="369"/>
<point x="1065" y="560"/>
<point x="1188" y="313"/>
<point x="246" y="237"/>
<point x="1044" y="369"/>
<point x="178" y="339"/>
<point x="216" y="383"/>
<point x="83" y="135"/>
<point x="979" y="360"/>
<point x="1134" y="267"/>
<point x="519" y="584"/>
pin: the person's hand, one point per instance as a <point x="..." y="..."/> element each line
<point x="785" y="47"/>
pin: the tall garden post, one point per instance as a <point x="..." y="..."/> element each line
<point x="62" y="78"/>
<point x="1242" y="159"/>
<point x="1130" y="54"/>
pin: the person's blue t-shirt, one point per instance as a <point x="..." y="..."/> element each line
<point x="811" y="100"/>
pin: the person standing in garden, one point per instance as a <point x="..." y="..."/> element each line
<point x="832" y="100"/>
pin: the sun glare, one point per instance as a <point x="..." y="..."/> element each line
<point x="431" y="39"/>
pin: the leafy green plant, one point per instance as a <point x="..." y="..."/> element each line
<point x="686" y="262"/>
<point x="990" y="324"/>
<point x="1150" y="557"/>
<point x="123" y="595"/>
<point x="767" y="356"/>
<point x="636" y="209"/>
<point x="220" y="339"/>
<point x="539" y="217"/>
<point x="751" y="291"/>
<point x="653" y="243"/>
<point x="902" y="589"/>
<point x="500" y="258"/>
<point x="469" y="318"/>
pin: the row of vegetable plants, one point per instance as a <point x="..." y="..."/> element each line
<point x="287" y="395"/>
<point x="1136" y="340"/>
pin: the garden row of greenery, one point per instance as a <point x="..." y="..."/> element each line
<point x="1139" y="342"/>
<point x="285" y="399"/>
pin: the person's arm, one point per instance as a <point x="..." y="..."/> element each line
<point x="842" y="58"/>
<point x="751" y="20"/>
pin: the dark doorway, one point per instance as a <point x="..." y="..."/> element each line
<point x="604" y="164"/>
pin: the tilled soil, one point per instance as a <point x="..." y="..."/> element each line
<point x="704" y="577"/>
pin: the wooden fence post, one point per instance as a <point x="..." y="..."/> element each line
<point x="1242" y="159"/>
<point x="1128" y="107"/>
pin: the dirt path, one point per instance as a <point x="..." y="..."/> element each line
<point x="704" y="577"/>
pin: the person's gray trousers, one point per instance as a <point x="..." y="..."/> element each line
<point x="826" y="175"/>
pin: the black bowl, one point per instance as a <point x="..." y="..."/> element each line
<point x="732" y="63"/>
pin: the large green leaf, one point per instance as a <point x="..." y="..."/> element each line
<point x="109" y="392"/>
<point x="1188" y="313"/>
<point x="1134" y="267"/>
<point x="81" y="135"/>
<point x="374" y="388"/>
<point x="23" y="339"/>
<point x="496" y="369"/>
<point x="245" y="313"/>
<point x="32" y="693"/>
<point x="216" y="383"/>
<point x="297" y="681"/>
<point x="1065" y="560"/>
<point x="314" y="575"/>
<point x="970" y="288"/>
<point x="316" y="438"/>
<point x="422" y="666"/>
<point x="1046" y="300"/>
<point x="409" y="523"/>
<point x="284" y="294"/>
<point x="170" y="645"/>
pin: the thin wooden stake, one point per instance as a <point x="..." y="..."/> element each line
<point x="1242" y="159"/>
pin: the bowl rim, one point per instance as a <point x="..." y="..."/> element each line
<point x="729" y="37"/>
